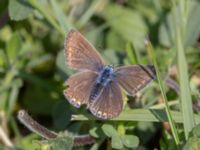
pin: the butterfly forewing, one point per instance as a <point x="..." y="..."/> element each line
<point x="109" y="103"/>
<point x="80" y="54"/>
<point x="134" y="77"/>
<point x="78" y="87"/>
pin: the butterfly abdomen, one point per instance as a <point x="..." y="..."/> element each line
<point x="96" y="91"/>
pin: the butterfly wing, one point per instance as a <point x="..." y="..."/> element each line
<point x="79" y="87"/>
<point x="109" y="103"/>
<point x="134" y="77"/>
<point x="80" y="54"/>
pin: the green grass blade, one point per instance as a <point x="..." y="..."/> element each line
<point x="146" y="115"/>
<point x="131" y="53"/>
<point x="185" y="94"/>
<point x="163" y="92"/>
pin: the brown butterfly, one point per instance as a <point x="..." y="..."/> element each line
<point x="99" y="85"/>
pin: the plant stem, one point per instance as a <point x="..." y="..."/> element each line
<point x="34" y="126"/>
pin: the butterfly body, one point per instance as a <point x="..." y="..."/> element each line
<point x="97" y="85"/>
<point x="105" y="76"/>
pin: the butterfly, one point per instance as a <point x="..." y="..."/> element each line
<point x="98" y="85"/>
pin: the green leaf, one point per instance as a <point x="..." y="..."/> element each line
<point x="193" y="28"/>
<point x="42" y="64"/>
<point x="116" y="142"/>
<point x="126" y="22"/>
<point x="97" y="132"/>
<point x="13" y="47"/>
<point x="130" y="141"/>
<point x="40" y="99"/>
<point x="96" y="36"/>
<point x="195" y="131"/>
<point x="110" y="56"/>
<point x="167" y="31"/>
<point x="115" y="41"/>
<point x="28" y="142"/>
<point x="109" y="130"/>
<point x="192" y="144"/>
<point x="150" y="10"/>
<point x="2" y="58"/>
<point x="93" y="132"/>
<point x="19" y="9"/>
<point x="38" y="5"/>
<point x="97" y="144"/>
<point x="59" y="143"/>
<point x="61" y="115"/>
<point x="94" y="7"/>
<point x="60" y="16"/>
<point x="61" y="64"/>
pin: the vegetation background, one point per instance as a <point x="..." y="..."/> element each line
<point x="32" y="72"/>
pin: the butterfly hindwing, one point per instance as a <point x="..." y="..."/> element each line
<point x="79" y="87"/>
<point x="80" y="54"/>
<point x="134" y="77"/>
<point x="109" y="103"/>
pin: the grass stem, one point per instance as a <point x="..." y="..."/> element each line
<point x="163" y="92"/>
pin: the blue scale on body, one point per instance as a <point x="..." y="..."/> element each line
<point x="104" y="77"/>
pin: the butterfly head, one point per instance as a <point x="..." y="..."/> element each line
<point x="109" y="68"/>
